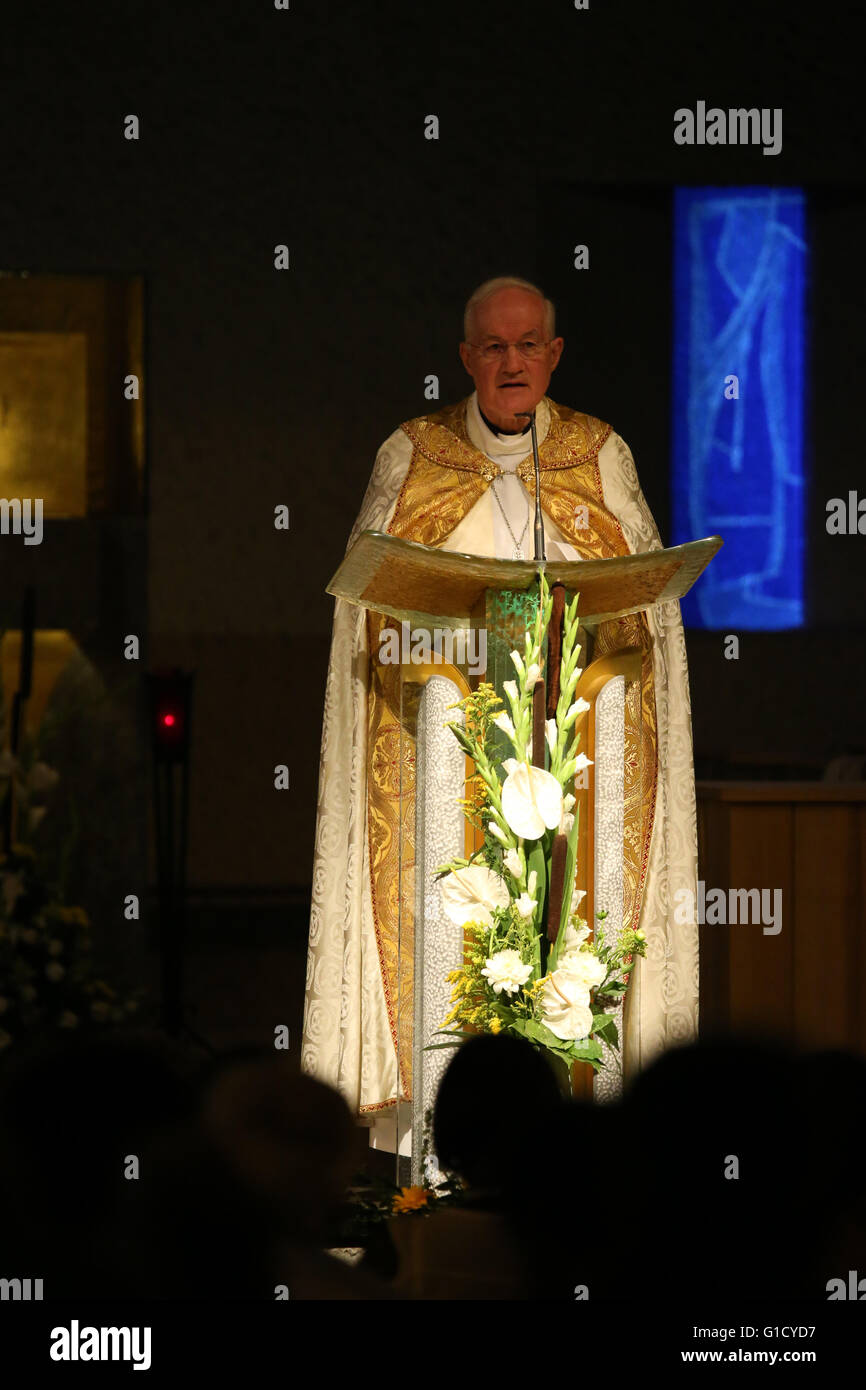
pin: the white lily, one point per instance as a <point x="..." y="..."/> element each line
<point x="565" y="1006"/>
<point x="471" y="894"/>
<point x="531" y="801"/>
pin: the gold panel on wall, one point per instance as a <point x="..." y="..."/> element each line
<point x="43" y="420"/>
<point x="71" y="428"/>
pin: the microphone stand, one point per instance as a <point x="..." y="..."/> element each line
<point x="540" y="552"/>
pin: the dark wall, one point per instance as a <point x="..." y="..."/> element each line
<point x="307" y="127"/>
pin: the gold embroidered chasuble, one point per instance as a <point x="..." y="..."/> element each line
<point x="447" y="475"/>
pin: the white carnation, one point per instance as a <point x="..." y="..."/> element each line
<point x="506" y="971"/>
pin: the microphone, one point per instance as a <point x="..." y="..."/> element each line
<point x="540" y="552"/>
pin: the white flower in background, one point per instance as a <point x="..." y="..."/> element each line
<point x="68" y="1019"/>
<point x="503" y="722"/>
<point x="471" y="894"/>
<point x="575" y="936"/>
<point x="54" y="971"/>
<point x="573" y="940"/>
<point x="497" y="832"/>
<point x="568" y="802"/>
<point x="506" y="971"/>
<point x="511" y="860"/>
<point x="518" y="662"/>
<point x="579" y="706"/>
<point x="552" y="734"/>
<point x="565" y="1006"/>
<point x="531" y="801"/>
<point x="525" y="906"/>
<point x="510" y="688"/>
<point x="532" y="675"/>
<point x="566" y="823"/>
<point x="582" y="762"/>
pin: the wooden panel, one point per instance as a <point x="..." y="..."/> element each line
<point x="760" y="965"/>
<point x="807" y="983"/>
<point x="827" y="899"/>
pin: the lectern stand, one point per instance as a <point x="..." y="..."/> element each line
<point x="438" y="622"/>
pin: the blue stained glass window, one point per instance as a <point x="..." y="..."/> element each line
<point x="739" y="311"/>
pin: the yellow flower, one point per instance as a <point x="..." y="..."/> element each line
<point x="410" y="1199"/>
<point x="495" y="1025"/>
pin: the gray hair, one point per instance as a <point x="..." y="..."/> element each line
<point x="507" y="282"/>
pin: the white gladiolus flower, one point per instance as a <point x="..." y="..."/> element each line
<point x="566" y="823"/>
<point x="503" y="722"/>
<point x="497" y="831"/>
<point x="533" y="880"/>
<point x="531" y="801"/>
<point x="579" y="706"/>
<point x="471" y="894"/>
<point x="552" y="734"/>
<point x="582" y="762"/>
<point x="565" y="1006"/>
<point x="525" y="906"/>
<point x="568" y="801"/>
<point x="574" y="939"/>
<point x="577" y="897"/>
<point x="518" y="662"/>
<point x="511" y="860"/>
<point x="510" y="688"/>
<point x="506" y="971"/>
<point x="532" y="675"/>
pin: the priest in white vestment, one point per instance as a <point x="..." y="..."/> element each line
<point x="483" y="444"/>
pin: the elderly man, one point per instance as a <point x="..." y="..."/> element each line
<point x="463" y="479"/>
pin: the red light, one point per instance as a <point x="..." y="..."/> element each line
<point x="168" y="720"/>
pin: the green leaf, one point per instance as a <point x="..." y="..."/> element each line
<point x="604" y="1026"/>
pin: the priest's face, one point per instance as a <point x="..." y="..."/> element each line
<point x="508" y="381"/>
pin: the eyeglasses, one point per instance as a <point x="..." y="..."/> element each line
<point x="527" y="347"/>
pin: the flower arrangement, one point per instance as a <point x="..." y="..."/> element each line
<point x="530" y="967"/>
<point x="46" y="970"/>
